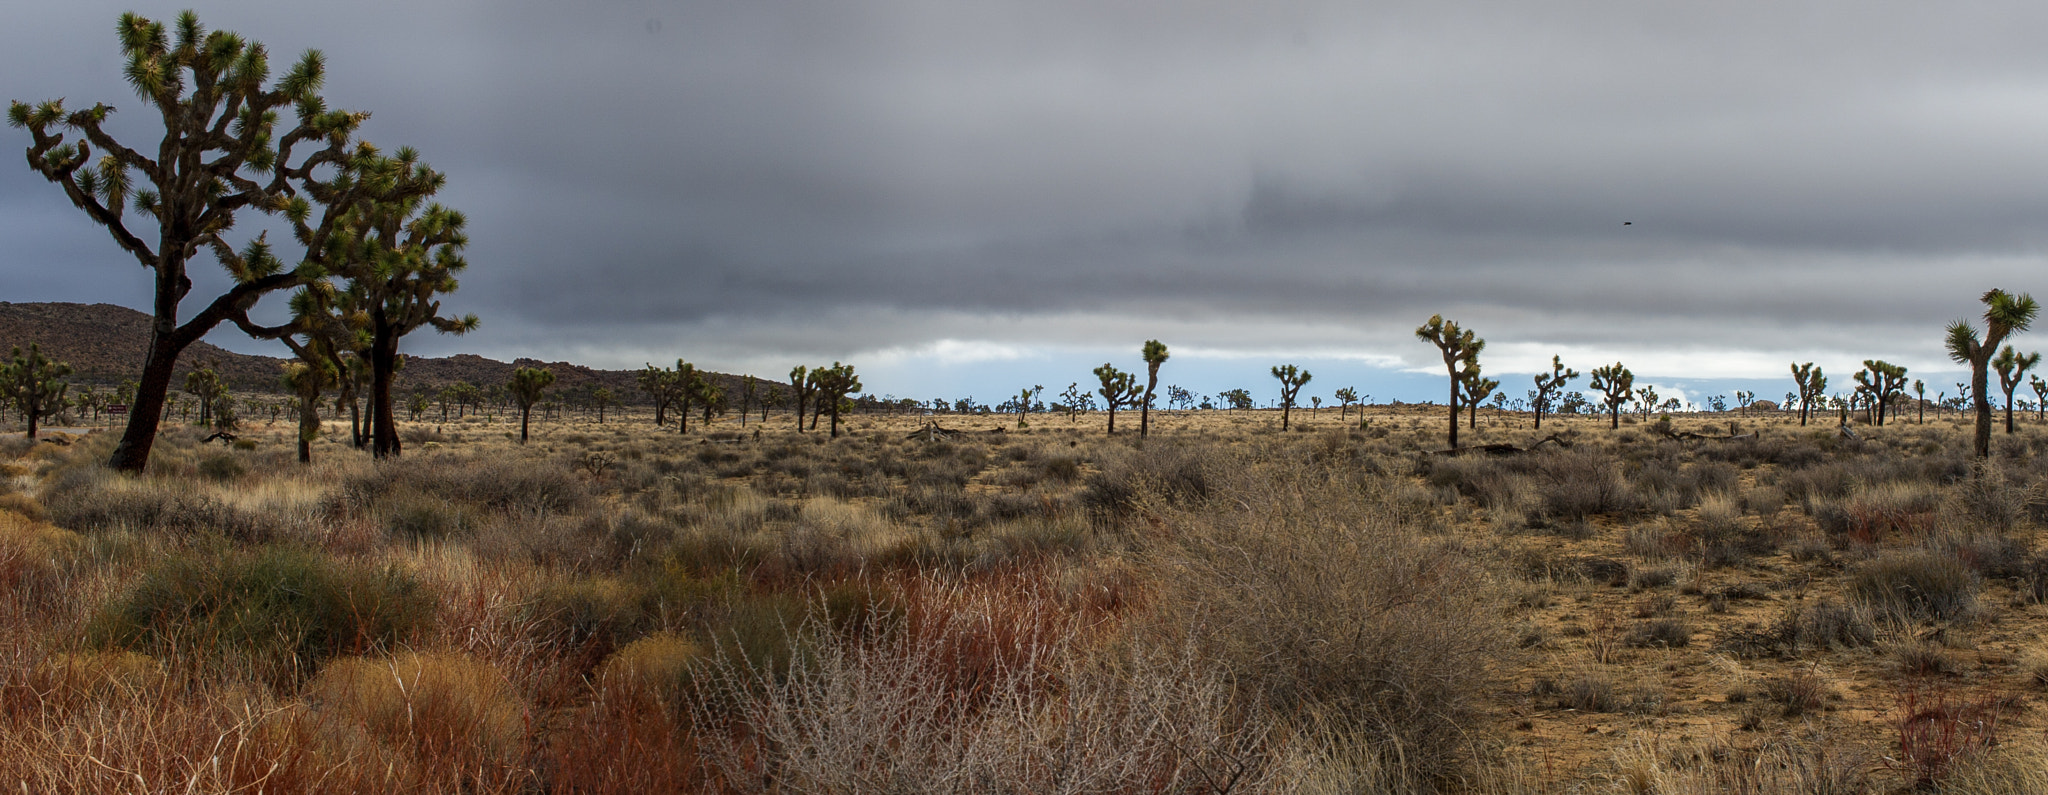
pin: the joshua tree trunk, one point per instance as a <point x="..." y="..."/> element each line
<point x="383" y="362"/>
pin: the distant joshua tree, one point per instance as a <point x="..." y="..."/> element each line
<point x="34" y="385"/>
<point x="1119" y="389"/>
<point x="800" y="384"/>
<point x="833" y="384"/>
<point x="1073" y="397"/>
<point x="1920" y="389"/>
<point x="2012" y="366"/>
<point x="1615" y="382"/>
<point x="1291" y="381"/>
<point x="1154" y="353"/>
<point x="1550" y="385"/>
<point x="1346" y="397"/>
<point x="527" y="386"/>
<point x="2004" y="314"/>
<point x="1460" y="349"/>
<point x="1812" y="385"/>
<point x="2041" y="393"/>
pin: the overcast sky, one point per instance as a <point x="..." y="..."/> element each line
<point x="965" y="197"/>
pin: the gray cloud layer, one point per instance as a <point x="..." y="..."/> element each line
<point x="827" y="178"/>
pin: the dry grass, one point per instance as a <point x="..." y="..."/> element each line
<point x="1221" y="607"/>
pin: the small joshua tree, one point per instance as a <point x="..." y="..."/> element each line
<point x="1477" y="389"/>
<point x="2012" y="366"/>
<point x="1119" y="389"/>
<point x="601" y="398"/>
<point x="1291" y="381"/>
<point x="800" y="385"/>
<point x="527" y="386"/>
<point x="2004" y="314"/>
<point x="1920" y="389"/>
<point x="34" y="385"/>
<point x="1155" y="355"/>
<point x="1549" y="385"/>
<point x="1346" y="397"/>
<point x="1615" y="382"/>
<point x="1073" y="397"/>
<point x="1812" y="385"/>
<point x="1646" y="400"/>
<point x="1460" y="349"/>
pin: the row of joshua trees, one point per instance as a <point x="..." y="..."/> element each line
<point x="1878" y="385"/>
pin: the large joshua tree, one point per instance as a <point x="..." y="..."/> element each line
<point x="1292" y="379"/>
<point x="223" y="152"/>
<point x="2012" y="366"/>
<point x="527" y="386"/>
<point x="2004" y="314"/>
<point x="1155" y="355"/>
<point x="1119" y="389"/>
<point x="1615" y="383"/>
<point x="1550" y="384"/>
<point x="1460" y="349"/>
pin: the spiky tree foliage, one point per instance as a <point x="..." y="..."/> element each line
<point x="1550" y="384"/>
<point x="709" y="395"/>
<point x="2012" y="366"/>
<point x="223" y="151"/>
<point x="324" y="334"/>
<point x="1615" y="383"/>
<point x="833" y="384"/>
<point x="1024" y="399"/>
<point x="1460" y="349"/>
<point x="1072" y="397"/>
<point x="1646" y="400"/>
<point x="1119" y="389"/>
<point x="34" y="385"/>
<point x="1920" y="402"/>
<point x="748" y="387"/>
<point x="602" y="398"/>
<point x="1812" y="384"/>
<point x="527" y="386"/>
<point x="1154" y="353"/>
<point x="657" y="383"/>
<point x="2004" y="314"/>
<point x="1292" y="379"/>
<point x="307" y="379"/>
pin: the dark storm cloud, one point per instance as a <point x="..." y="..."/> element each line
<point x="860" y="176"/>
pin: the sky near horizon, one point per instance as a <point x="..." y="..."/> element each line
<point x="963" y="198"/>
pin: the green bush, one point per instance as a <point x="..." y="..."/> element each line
<point x="284" y="610"/>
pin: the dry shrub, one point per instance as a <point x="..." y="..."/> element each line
<point x="1314" y="598"/>
<point x="450" y="709"/>
<point x="888" y="714"/>
<point x="1580" y="483"/>
<point x="656" y="666"/>
<point x="1916" y="584"/>
<point x="36" y="561"/>
<point x="281" y="611"/>
<point x="1801" y="628"/>
<point x="92" y="499"/>
<point x="499" y="483"/>
<point x="1876" y="512"/>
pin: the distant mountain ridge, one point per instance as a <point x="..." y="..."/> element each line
<point x="105" y="343"/>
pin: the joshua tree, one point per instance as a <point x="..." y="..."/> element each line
<point x="2012" y="366"/>
<point x="1155" y="355"/>
<point x="1477" y="389"/>
<point x="1743" y="399"/>
<point x="204" y="386"/>
<point x="2041" y="395"/>
<point x="1548" y="385"/>
<point x="222" y="152"/>
<point x="526" y="387"/>
<point x="1615" y="382"/>
<point x="2004" y="314"/>
<point x="833" y="384"/>
<point x="1024" y="399"/>
<point x="1238" y="399"/>
<point x="602" y="398"/>
<point x="1812" y="385"/>
<point x="800" y="385"/>
<point x="688" y="386"/>
<point x="1883" y="382"/>
<point x="1646" y="400"/>
<point x="34" y="385"/>
<point x="1460" y="349"/>
<point x="1119" y="389"/>
<point x="1920" y="389"/>
<point x="747" y="390"/>
<point x="655" y="381"/>
<point x="1346" y="397"/>
<point x="1073" y="397"/>
<point x="1291" y="381"/>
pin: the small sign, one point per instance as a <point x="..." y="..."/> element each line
<point x="118" y="408"/>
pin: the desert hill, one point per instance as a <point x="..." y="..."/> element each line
<point x="104" y="343"/>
